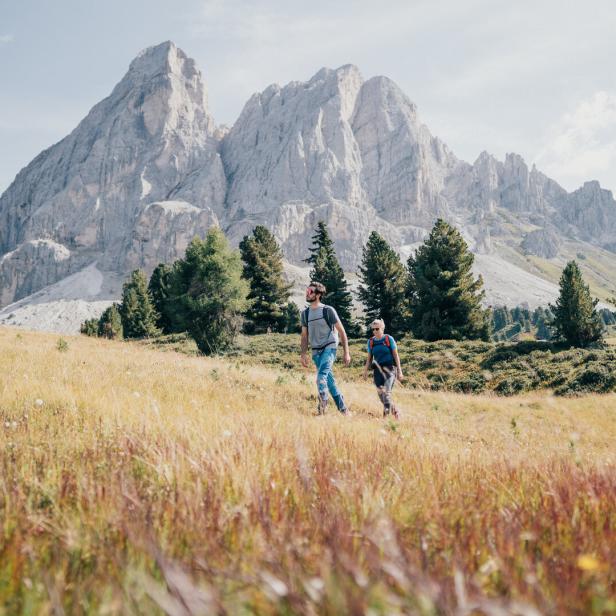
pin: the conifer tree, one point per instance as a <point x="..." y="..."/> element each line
<point x="444" y="299"/>
<point x="208" y="292"/>
<point x="383" y="280"/>
<point x="292" y="319"/>
<point x="575" y="315"/>
<point x="159" y="288"/>
<point x="89" y="327"/>
<point x="544" y="331"/>
<point x="501" y="318"/>
<point x="269" y="292"/>
<point x="110" y="323"/>
<point x="327" y="270"/>
<point x="137" y="309"/>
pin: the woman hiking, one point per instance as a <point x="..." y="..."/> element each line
<point x="384" y="359"/>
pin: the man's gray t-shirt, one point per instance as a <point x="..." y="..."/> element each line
<point x="321" y="334"/>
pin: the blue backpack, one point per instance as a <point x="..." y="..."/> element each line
<point x="387" y="343"/>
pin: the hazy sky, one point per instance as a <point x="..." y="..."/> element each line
<point x="537" y="78"/>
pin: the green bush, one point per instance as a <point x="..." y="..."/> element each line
<point x="473" y="384"/>
<point x="594" y="378"/>
<point x="90" y="327"/>
<point x="512" y="385"/>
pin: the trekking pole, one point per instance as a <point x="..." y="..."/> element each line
<point x="383" y="374"/>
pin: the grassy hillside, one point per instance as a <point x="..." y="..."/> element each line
<point x="597" y="264"/>
<point x="136" y="481"/>
<point x="447" y="365"/>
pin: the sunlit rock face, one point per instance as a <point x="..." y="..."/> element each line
<point x="151" y="140"/>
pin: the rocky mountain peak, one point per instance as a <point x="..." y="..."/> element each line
<point x="342" y="74"/>
<point x="167" y="86"/>
<point x="152" y="139"/>
<point x="590" y="213"/>
<point x="162" y="58"/>
<point x="593" y="188"/>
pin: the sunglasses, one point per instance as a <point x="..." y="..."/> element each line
<point x="375" y="329"/>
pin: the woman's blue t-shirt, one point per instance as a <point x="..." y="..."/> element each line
<point x="381" y="352"/>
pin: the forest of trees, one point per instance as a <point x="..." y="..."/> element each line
<point x="215" y="292"/>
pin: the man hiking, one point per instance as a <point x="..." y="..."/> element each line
<point x="321" y="329"/>
<point x="384" y="359"/>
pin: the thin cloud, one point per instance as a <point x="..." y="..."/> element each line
<point x="268" y="42"/>
<point x="6" y="38"/>
<point x="582" y="144"/>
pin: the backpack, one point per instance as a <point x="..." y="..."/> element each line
<point x="387" y="344"/>
<point x="328" y="315"/>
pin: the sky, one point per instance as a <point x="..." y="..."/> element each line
<point x="534" y="77"/>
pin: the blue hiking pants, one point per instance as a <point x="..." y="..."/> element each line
<point x="324" y="361"/>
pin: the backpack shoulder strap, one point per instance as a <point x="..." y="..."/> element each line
<point x="306" y="313"/>
<point x="328" y="315"/>
<point x="371" y="343"/>
<point x="387" y="340"/>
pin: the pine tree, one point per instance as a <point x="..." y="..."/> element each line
<point x="208" y="292"/>
<point x="544" y="331"/>
<point x="110" y="323"/>
<point x="292" y="319"/>
<point x="501" y="318"/>
<point x="444" y="298"/>
<point x="575" y="316"/>
<point x="89" y="327"/>
<point x="137" y="309"/>
<point x="159" y="289"/>
<point x="269" y="293"/>
<point x="383" y="279"/>
<point x="327" y="270"/>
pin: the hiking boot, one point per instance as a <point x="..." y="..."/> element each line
<point x="345" y="412"/>
<point x="395" y="412"/>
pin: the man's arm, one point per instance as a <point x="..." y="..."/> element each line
<point x="345" y="342"/>
<point x="304" y="346"/>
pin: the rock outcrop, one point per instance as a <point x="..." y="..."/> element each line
<point x="33" y="264"/>
<point x="541" y="242"/>
<point x="590" y="214"/>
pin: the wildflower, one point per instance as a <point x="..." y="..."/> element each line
<point x="38" y="402"/>
<point x="278" y="586"/>
<point x="588" y="562"/>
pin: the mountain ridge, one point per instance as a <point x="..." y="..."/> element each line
<point x="147" y="169"/>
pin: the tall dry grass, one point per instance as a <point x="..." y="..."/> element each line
<point x="136" y="481"/>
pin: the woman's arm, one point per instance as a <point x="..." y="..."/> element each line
<point x="398" y="367"/>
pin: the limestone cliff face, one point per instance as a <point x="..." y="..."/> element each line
<point x="590" y="214"/>
<point x="147" y="169"/>
<point x="542" y="242"/>
<point x="151" y="140"/>
<point x="335" y="148"/>
<point x="33" y="264"/>
<point x="403" y="167"/>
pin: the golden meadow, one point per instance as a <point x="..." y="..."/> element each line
<point x="143" y="481"/>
